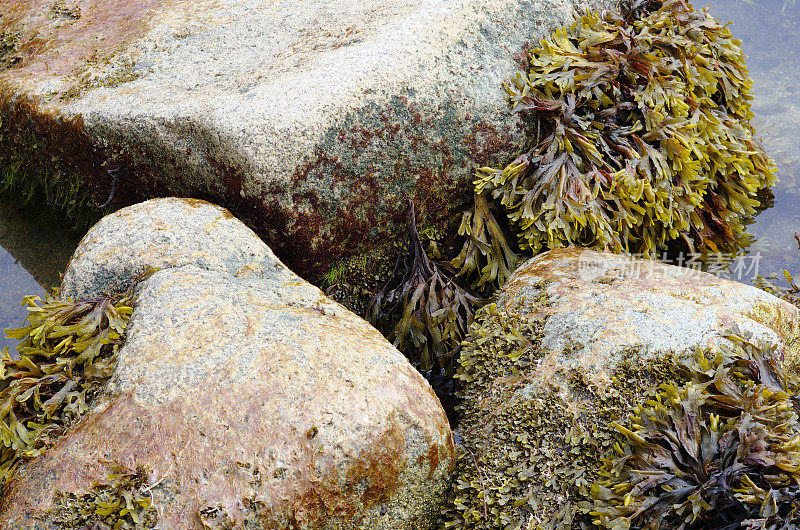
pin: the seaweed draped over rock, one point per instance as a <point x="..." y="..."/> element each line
<point x="530" y="441"/>
<point x="643" y="137"/>
<point x="720" y="451"/>
<point x="66" y="354"/>
<point x="706" y="440"/>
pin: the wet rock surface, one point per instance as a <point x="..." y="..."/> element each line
<point x="313" y="121"/>
<point x="244" y="394"/>
<point x="163" y="233"/>
<point x="575" y="340"/>
<point x="604" y="304"/>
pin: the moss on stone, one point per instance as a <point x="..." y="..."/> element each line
<point x="38" y="160"/>
<point x="534" y="433"/>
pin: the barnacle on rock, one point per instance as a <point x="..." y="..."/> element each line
<point x="9" y="42"/>
<point x="421" y="310"/>
<point x="123" y="503"/>
<point x="720" y="451"/>
<point x="643" y="137"/>
<point x="67" y="352"/>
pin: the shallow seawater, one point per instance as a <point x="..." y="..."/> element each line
<point x="35" y="247"/>
<point x="771" y="39"/>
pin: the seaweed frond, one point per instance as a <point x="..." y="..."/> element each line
<point x="486" y="256"/>
<point x="421" y="310"/>
<point x="66" y="354"/>
<point x="720" y="451"/>
<point x="123" y="503"/>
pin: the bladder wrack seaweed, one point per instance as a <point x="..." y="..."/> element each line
<point x="66" y="354"/>
<point x="719" y="451"/>
<point x="643" y="137"/>
<point x="421" y="310"/>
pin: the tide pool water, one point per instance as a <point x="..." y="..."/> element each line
<point x="35" y="247"/>
<point x="770" y="35"/>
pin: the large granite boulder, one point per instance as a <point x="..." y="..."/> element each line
<point x="575" y="340"/>
<point x="312" y="120"/>
<point x="247" y="396"/>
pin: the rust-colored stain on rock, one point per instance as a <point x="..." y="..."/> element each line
<point x="53" y="48"/>
<point x="162" y="437"/>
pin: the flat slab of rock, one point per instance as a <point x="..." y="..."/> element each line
<point x="312" y="120"/>
<point x="247" y="395"/>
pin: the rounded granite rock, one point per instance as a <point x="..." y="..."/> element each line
<point x="574" y="341"/>
<point x="602" y="305"/>
<point x="248" y="398"/>
<point x="162" y="233"/>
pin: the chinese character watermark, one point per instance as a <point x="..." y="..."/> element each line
<point x="740" y="267"/>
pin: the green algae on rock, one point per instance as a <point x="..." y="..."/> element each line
<point x="51" y="160"/>
<point x="574" y="342"/>
<point x="66" y="354"/>
<point x="721" y="450"/>
<point x="643" y="137"/>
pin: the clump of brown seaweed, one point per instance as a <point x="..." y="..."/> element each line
<point x="643" y="137"/>
<point x="123" y="503"/>
<point x="486" y="243"/>
<point x="720" y="451"/>
<point x="421" y="310"/>
<point x="67" y="352"/>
